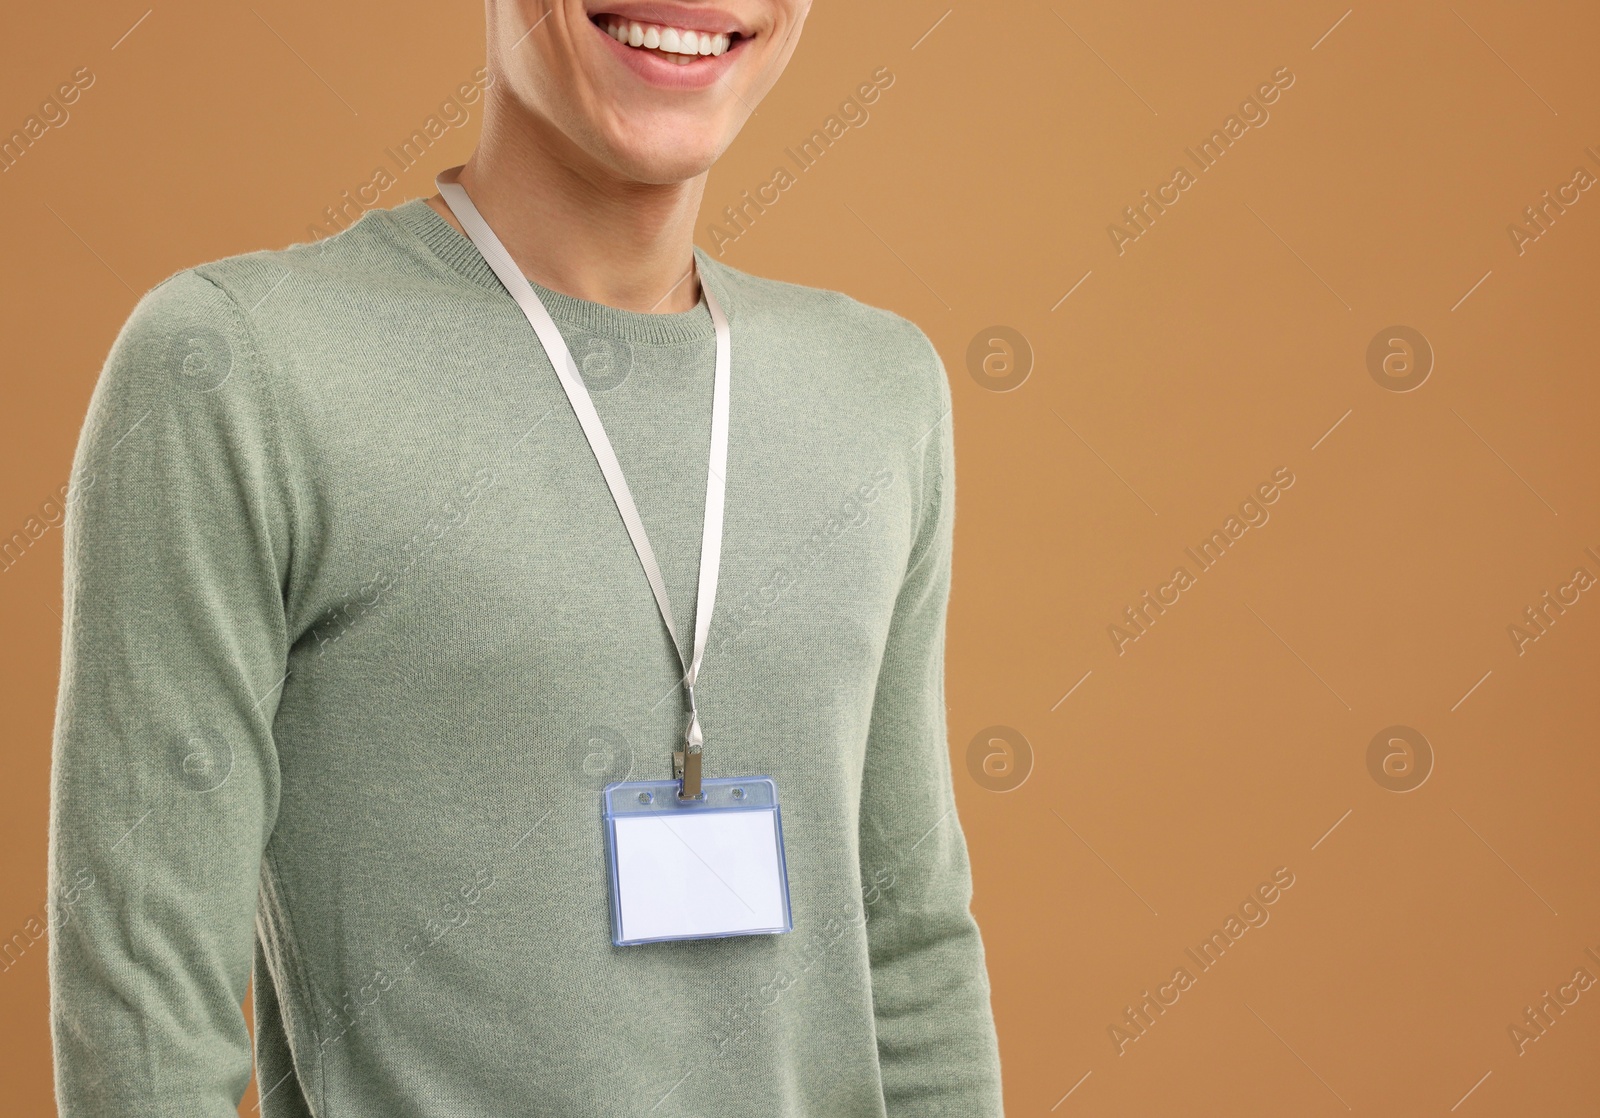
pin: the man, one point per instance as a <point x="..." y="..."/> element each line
<point x="355" y="637"/>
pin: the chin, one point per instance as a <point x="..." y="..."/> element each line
<point x="662" y="160"/>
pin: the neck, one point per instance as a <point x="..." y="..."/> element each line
<point x="576" y="227"/>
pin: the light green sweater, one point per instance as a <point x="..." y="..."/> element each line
<point x="355" y="636"/>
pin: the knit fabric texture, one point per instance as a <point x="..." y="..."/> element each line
<point x="355" y="636"/>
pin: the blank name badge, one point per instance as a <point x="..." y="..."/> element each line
<point x="695" y="869"/>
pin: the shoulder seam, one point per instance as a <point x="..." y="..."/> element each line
<point x="278" y="447"/>
<point x="933" y="480"/>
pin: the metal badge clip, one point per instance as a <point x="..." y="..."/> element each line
<point x="686" y="762"/>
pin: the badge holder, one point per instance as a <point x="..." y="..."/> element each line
<point x="701" y="867"/>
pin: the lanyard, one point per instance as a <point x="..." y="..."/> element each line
<point x="686" y="762"/>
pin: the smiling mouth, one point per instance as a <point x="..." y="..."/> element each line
<point x="676" y="45"/>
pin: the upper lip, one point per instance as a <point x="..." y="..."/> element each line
<point x="685" y="17"/>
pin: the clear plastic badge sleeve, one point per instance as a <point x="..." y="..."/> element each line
<point x="695" y="869"/>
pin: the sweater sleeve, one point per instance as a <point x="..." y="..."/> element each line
<point x="930" y="989"/>
<point x="164" y="776"/>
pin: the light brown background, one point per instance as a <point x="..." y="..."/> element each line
<point x="1232" y="738"/>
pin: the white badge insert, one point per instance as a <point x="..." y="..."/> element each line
<point x="695" y="869"/>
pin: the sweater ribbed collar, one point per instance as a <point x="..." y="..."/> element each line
<point x="422" y="223"/>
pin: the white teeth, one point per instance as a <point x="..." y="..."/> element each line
<point x="679" y="45"/>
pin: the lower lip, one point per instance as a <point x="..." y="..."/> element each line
<point x="704" y="71"/>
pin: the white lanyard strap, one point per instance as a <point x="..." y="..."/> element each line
<point x="555" y="348"/>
